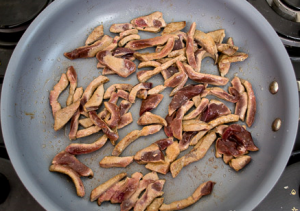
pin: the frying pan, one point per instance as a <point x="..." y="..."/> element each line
<point x="38" y="62"/>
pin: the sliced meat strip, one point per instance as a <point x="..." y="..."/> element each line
<point x="66" y="159"/>
<point x="195" y="139"/>
<point x="169" y="72"/>
<point x="176" y="124"/>
<point x="197" y="100"/>
<point x="90" y="50"/>
<point x="128" y="38"/>
<point x="214" y="110"/>
<point x="113" y="161"/>
<point x="241" y="106"/>
<point x="77" y="94"/>
<point x="79" y="148"/>
<point x="207" y="42"/>
<point x="120" y="27"/>
<point x="177" y="78"/>
<point x="128" y="32"/>
<point x="128" y="139"/>
<point x="96" y="99"/>
<point x="151" y="129"/>
<point x="62" y="116"/>
<point x="120" y="52"/>
<point x="184" y="143"/>
<point x="123" y="67"/>
<point x="113" y="45"/>
<point x="136" y="88"/>
<point x="223" y="120"/>
<point x="183" y="95"/>
<point x="153" y="190"/>
<point x="222" y="94"/>
<point x="149" y="64"/>
<point x="173" y="27"/>
<point x="98" y="191"/>
<point x="195" y="125"/>
<point x="200" y="55"/>
<point x="87" y="131"/>
<point x="158" y="55"/>
<point x="95" y="35"/>
<point x="154" y="206"/>
<point x="106" y="196"/>
<point x="112" y="88"/>
<point x="74" y="125"/>
<point x="167" y="129"/>
<point x="251" y="103"/>
<point x="197" y="153"/>
<point x="146" y="43"/>
<point x="182" y="83"/>
<point x="164" y="143"/>
<point x="203" y="190"/>
<point x="148" y="118"/>
<point x="57" y="90"/>
<point x="73" y="175"/>
<point x="150" y="103"/>
<point x="205" y="78"/>
<point x="190" y="46"/>
<point x="240" y="162"/>
<point x="156" y="90"/>
<point x="151" y="154"/>
<point x="225" y="61"/>
<point x="125" y="120"/>
<point x="217" y="35"/>
<point x="179" y="52"/>
<point x="115" y="114"/>
<point x="237" y="84"/>
<point x="198" y="110"/>
<point x="72" y="77"/>
<point x="151" y="23"/>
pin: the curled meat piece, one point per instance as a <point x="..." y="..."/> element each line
<point x="95" y="101"/>
<point x="151" y="23"/>
<point x="157" y="55"/>
<point x="149" y="64"/>
<point x="225" y="61"/>
<point x="90" y="50"/>
<point x="95" y="35"/>
<point x="240" y="162"/>
<point x="66" y="159"/>
<point x="73" y="175"/>
<point x="237" y="84"/>
<point x="54" y="94"/>
<point x="113" y="161"/>
<point x="241" y="106"/>
<point x="173" y="27"/>
<point x="214" y="110"/>
<point x="146" y="43"/>
<point x="156" y="90"/>
<point x="183" y="95"/>
<point x="154" y="206"/>
<point x="207" y="42"/>
<point x="200" y="55"/>
<point x="128" y="32"/>
<point x="123" y="67"/>
<point x="115" y="114"/>
<point x="98" y="191"/>
<point x="151" y="154"/>
<point x="190" y="46"/>
<point x="203" y="190"/>
<point x="79" y="148"/>
<point x="197" y="153"/>
<point x="128" y="38"/>
<point x="136" y="88"/>
<point x="62" y="116"/>
<point x="150" y="103"/>
<point x="205" y="78"/>
<point x="198" y="110"/>
<point x="148" y="118"/>
<point x="217" y="35"/>
<point x="74" y="125"/>
<point x="222" y="94"/>
<point x="100" y="55"/>
<point x="194" y="125"/>
<point x="120" y="27"/>
<point x="72" y="77"/>
<point x="251" y="110"/>
<point x="112" y="88"/>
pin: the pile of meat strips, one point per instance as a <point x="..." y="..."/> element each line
<point x="177" y="58"/>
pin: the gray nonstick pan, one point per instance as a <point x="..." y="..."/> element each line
<point x="38" y="61"/>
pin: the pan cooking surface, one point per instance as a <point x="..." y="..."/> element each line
<point x="38" y="62"/>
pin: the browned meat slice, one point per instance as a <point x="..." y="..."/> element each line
<point x="179" y="52"/>
<point x="151" y="129"/>
<point x="223" y="120"/>
<point x="79" y="148"/>
<point x="236" y="141"/>
<point x="169" y="72"/>
<point x="74" y="125"/>
<point x="73" y="175"/>
<point x="241" y="106"/>
<point x="87" y="131"/>
<point x="121" y="52"/>
<point x="66" y="159"/>
<point x="156" y="90"/>
<point x="227" y="49"/>
<point x="167" y="129"/>
<point x="124" y="107"/>
<point x="190" y="46"/>
<point x="200" y="55"/>
<point x="142" y="94"/>
<point x="207" y="42"/>
<point x="194" y="125"/>
<point x="91" y="88"/>
<point x="214" y="110"/>
<point x="100" y="55"/>
<point x="217" y="35"/>
<point x="115" y="114"/>
<point x="113" y="161"/>
<point x="205" y="78"/>
<point x="151" y="23"/>
<point x="177" y="78"/>
<point x="227" y="158"/>
<point x="125" y="120"/>
<point x="113" y="136"/>
<point x="72" y="77"/>
<point x="96" y="99"/>
<point x="128" y="32"/>
<point x="54" y="94"/>
<point x="150" y="103"/>
<point x="197" y="137"/>
<point x="62" y="116"/>
<point x="151" y="154"/>
<point x="90" y="50"/>
<point x="148" y="118"/>
<point x="158" y="55"/>
<point x="96" y="34"/>
<point x="112" y="88"/>
<point x="176" y="124"/>
<point x="106" y="196"/>
<point x="184" y="143"/>
<point x="149" y="64"/>
<point x="128" y="139"/>
<point x="251" y="110"/>
<point x="98" y="191"/>
<point x="183" y="95"/>
<point x="173" y="27"/>
<point x="120" y="27"/>
<point x="136" y="88"/>
<point x="182" y="83"/>
<point x="198" y="110"/>
<point x="203" y="190"/>
<point x="111" y="46"/>
<point x="154" y="206"/>
<point x="237" y="84"/>
<point x="77" y="94"/>
<point x="225" y="61"/>
<point x="240" y="162"/>
<point x="129" y="203"/>
<point x="146" y="43"/>
<point x="128" y="38"/>
<point x="123" y="67"/>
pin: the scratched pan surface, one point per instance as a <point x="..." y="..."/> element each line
<point x="38" y="62"/>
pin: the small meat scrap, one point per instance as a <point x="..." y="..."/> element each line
<point x="151" y="23"/>
<point x="251" y="110"/>
<point x="87" y="131"/>
<point x="115" y="115"/>
<point x="148" y="118"/>
<point x="98" y="191"/>
<point x="142" y="94"/>
<point x="96" y="34"/>
<point x="207" y="42"/>
<point x="173" y="27"/>
<point x="123" y="67"/>
<point x="225" y="61"/>
<point x="150" y="103"/>
<point x="113" y="161"/>
<point x="123" y="52"/>
<point x="74" y="125"/>
<point x="90" y="50"/>
<point x="183" y="95"/>
<point x="72" y="77"/>
<point x="200" y="55"/>
<point x="136" y="88"/>
<point x="120" y="27"/>
<point x="167" y="129"/>
<point x="62" y="116"/>
<point x="239" y="162"/>
<point x="57" y="90"/>
<point x="182" y="83"/>
<point x="214" y="110"/>
<point x="169" y="72"/>
<point x="242" y="104"/>
<point x="203" y="190"/>
<point x="112" y="88"/>
<point x="190" y="46"/>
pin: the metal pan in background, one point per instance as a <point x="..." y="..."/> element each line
<point x="38" y="62"/>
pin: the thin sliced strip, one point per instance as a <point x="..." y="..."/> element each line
<point x="72" y="77"/>
<point x="125" y="120"/>
<point x="150" y="23"/>
<point x="128" y="32"/>
<point x="241" y="106"/>
<point x="194" y="125"/>
<point x="173" y="27"/>
<point x="181" y="85"/>
<point x="128" y="139"/>
<point x="120" y="27"/>
<point x="150" y="103"/>
<point x="95" y="101"/>
<point x="223" y="120"/>
<point x="95" y="35"/>
<point x="198" y="110"/>
<point x="62" y="116"/>
<point x="197" y="137"/>
<point x="148" y="118"/>
<point x="156" y="90"/>
<point x="77" y="94"/>
<point x="87" y="131"/>
<point x="149" y="64"/>
<point x="190" y="46"/>
<point x="113" y="161"/>
<point x="128" y="38"/>
<point x="74" y="125"/>
<point x="222" y="94"/>
<point x="136" y="88"/>
<point x="115" y="115"/>
<point x="112" y="88"/>
<point x="251" y="103"/>
<point x="146" y="43"/>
